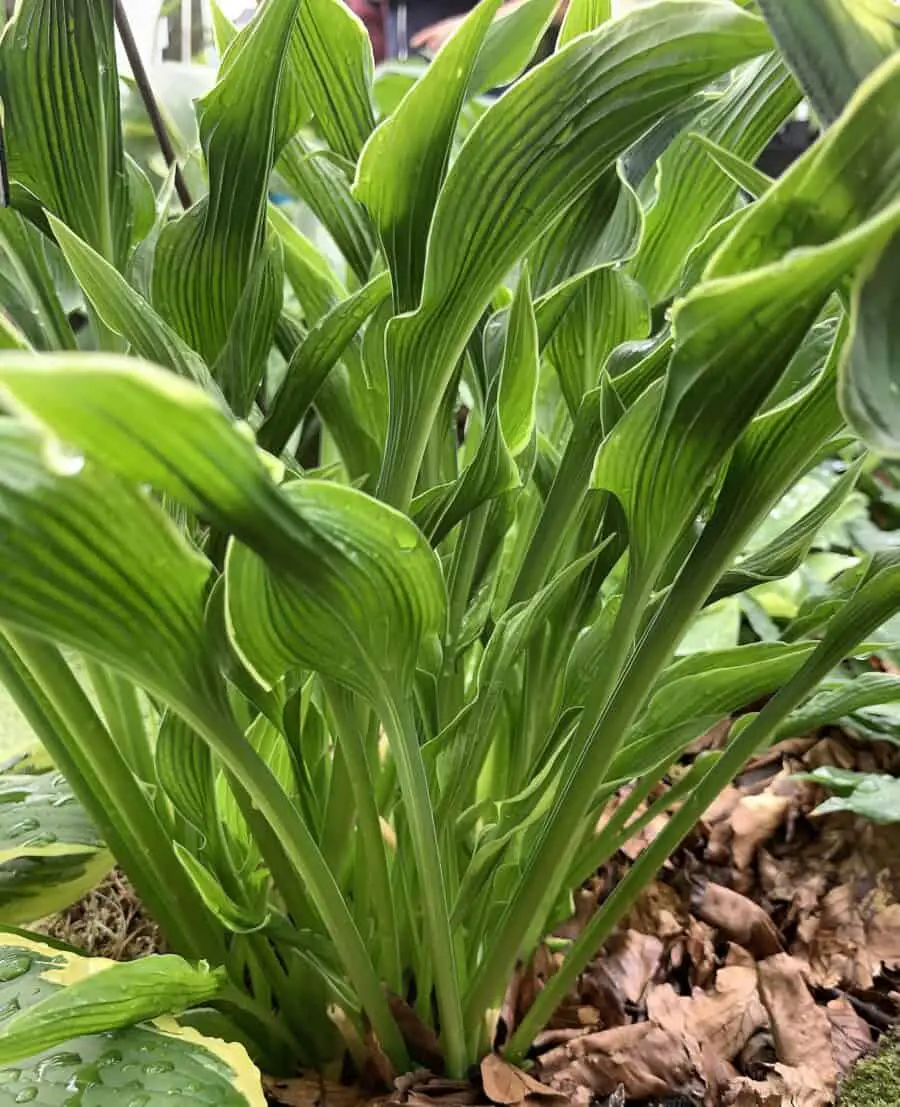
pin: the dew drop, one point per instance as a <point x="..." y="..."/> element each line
<point x="27" y="1094"/>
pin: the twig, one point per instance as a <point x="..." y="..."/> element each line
<point x="156" y="119"/>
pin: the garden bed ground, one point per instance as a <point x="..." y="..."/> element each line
<point x="763" y="963"/>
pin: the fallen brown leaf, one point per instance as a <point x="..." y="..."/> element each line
<point x="647" y="1059"/>
<point x="630" y="961"/>
<point x="304" y="1092"/>
<point x="800" y="1027"/>
<point x="738" y="918"/>
<point x="723" y="1020"/>
<point x="850" y="1035"/>
<point x="784" y="1087"/>
<point x="753" y="821"/>
<point x="507" y="1085"/>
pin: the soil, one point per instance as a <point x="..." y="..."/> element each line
<point x="757" y="971"/>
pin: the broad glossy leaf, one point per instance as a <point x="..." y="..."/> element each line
<point x="11" y="338"/>
<point x="582" y="16"/>
<point x="832" y="45"/>
<point x="510" y="44"/>
<point x="60" y="90"/>
<point x="27" y="289"/>
<point x="39" y="817"/>
<point x="157" y="1060"/>
<point x="513" y="177"/>
<point x="609" y="308"/>
<point x="874" y="796"/>
<point x="314" y="359"/>
<point x="603" y="227"/>
<point x="402" y="167"/>
<point x="312" y="176"/>
<point x="204" y="259"/>
<point x="125" y="311"/>
<point x="50" y="852"/>
<point x="785" y="553"/>
<point x="332" y="65"/>
<point x="692" y="193"/>
<point x="761" y="292"/>
<point x="138" y="608"/>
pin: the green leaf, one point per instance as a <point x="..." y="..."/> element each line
<point x="241" y="366"/>
<point x="60" y="90"/>
<point x="608" y="308"/>
<point x="582" y="16"/>
<point x="125" y="311"/>
<point x="832" y="45"/>
<point x="692" y="193"/>
<point x="735" y="332"/>
<point x="513" y="177"/>
<point x="27" y="287"/>
<point x="312" y="176"/>
<point x="499" y="463"/>
<point x="333" y="68"/>
<point x="184" y="769"/>
<point x="787" y="552"/>
<point x="510" y="44"/>
<point x="873" y="796"/>
<point x="467" y="739"/>
<point x="94" y="995"/>
<point x="139" y="608"/>
<point x="203" y="259"/>
<point x="236" y="917"/>
<point x="603" y="227"/>
<point x="11" y="338"/>
<point x="697" y="691"/>
<point x="402" y="167"/>
<point x="366" y="610"/>
<point x="833" y="704"/>
<point x="870" y="382"/>
<point x="742" y="172"/>
<point x="156" y="1060"/>
<point x="314" y="359"/>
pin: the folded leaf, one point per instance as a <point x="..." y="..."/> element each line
<point x="27" y="284"/>
<point x="125" y="311"/>
<point x="204" y="258"/>
<point x="692" y="193"/>
<point x="157" y="1060"/>
<point x="60" y="90"/>
<point x="514" y="176"/>
<point x="314" y="359"/>
<point x="402" y="167"/>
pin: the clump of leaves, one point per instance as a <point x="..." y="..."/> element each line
<point x="350" y="698"/>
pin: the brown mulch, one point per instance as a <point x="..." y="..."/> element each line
<point x="759" y="967"/>
<point x="109" y="922"/>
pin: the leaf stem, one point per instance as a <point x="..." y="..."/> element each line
<point x="400" y="727"/>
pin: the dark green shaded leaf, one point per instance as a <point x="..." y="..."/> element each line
<point x="60" y="90"/>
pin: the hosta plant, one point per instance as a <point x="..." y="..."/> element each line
<point x="344" y="598"/>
